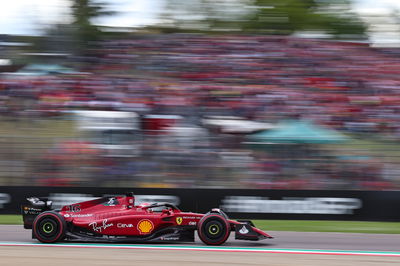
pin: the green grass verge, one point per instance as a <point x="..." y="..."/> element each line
<point x="329" y="226"/>
<point x="10" y="219"/>
<point x="292" y="225"/>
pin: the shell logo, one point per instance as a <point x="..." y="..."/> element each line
<point x="145" y="226"/>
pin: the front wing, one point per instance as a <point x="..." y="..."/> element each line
<point x="245" y="230"/>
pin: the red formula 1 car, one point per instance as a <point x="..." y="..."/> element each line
<point x="118" y="219"/>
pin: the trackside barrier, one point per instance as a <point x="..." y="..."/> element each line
<point x="237" y="203"/>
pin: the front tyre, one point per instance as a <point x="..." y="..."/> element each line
<point x="213" y="229"/>
<point x="49" y="227"/>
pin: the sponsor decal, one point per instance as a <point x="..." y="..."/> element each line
<point x="120" y="225"/>
<point x="192" y="217"/>
<point x="296" y="205"/>
<point x="111" y="202"/>
<point x="243" y="230"/>
<point x="145" y="226"/>
<point x="74" y="208"/>
<point x="98" y="228"/>
<point x="170" y="238"/>
<point x="32" y="211"/>
<point x="192" y="223"/>
<point x="78" y="215"/>
<point x="179" y="220"/>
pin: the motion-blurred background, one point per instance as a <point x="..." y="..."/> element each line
<point x="258" y="94"/>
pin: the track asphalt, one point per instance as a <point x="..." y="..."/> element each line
<point x="282" y="240"/>
<point x="286" y="249"/>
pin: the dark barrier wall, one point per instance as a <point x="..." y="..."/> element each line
<point x="241" y="203"/>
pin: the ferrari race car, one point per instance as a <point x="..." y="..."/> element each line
<point x="118" y="219"/>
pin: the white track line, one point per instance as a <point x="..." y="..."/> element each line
<point x="209" y="248"/>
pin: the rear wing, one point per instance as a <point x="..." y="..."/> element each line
<point x="33" y="207"/>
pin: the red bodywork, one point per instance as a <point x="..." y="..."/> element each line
<point x="123" y="218"/>
<point x="119" y="219"/>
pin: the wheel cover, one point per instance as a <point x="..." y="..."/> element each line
<point x="214" y="229"/>
<point x="48" y="227"/>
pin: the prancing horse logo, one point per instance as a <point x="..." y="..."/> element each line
<point x="179" y="220"/>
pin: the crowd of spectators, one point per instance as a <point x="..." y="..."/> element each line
<point x="346" y="86"/>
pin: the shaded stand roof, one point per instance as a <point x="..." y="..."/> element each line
<point x="45" y="69"/>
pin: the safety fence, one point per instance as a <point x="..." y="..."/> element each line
<point x="207" y="162"/>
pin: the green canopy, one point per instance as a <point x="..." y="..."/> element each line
<point x="44" y="69"/>
<point x="298" y="132"/>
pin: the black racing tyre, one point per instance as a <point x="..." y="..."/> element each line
<point x="220" y="212"/>
<point x="49" y="227"/>
<point x="213" y="229"/>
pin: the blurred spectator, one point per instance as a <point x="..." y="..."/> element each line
<point x="349" y="87"/>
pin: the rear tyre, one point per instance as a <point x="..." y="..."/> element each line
<point x="213" y="229"/>
<point x="49" y="227"/>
